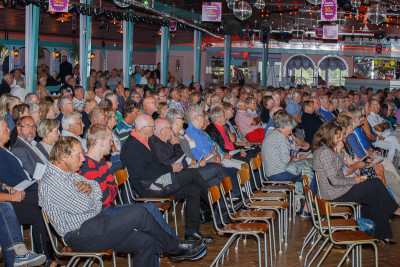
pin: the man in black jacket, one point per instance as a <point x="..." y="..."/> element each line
<point x="65" y="69"/>
<point x="151" y="178"/>
<point x="310" y="121"/>
<point x="5" y="88"/>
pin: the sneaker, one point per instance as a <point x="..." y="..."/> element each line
<point x="304" y="214"/>
<point x="29" y="259"/>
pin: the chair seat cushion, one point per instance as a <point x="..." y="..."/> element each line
<point x="68" y="250"/>
<point x="246" y="227"/>
<point x="341" y="210"/>
<point x="262" y="214"/>
<point x="162" y="206"/>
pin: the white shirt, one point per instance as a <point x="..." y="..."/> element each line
<point x="98" y="99"/>
<point x="19" y="92"/>
<point x="374" y="119"/>
<point x="143" y="81"/>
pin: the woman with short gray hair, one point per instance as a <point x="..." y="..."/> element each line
<point x="48" y="130"/>
<point x="276" y="149"/>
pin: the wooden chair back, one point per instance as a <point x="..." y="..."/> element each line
<point x="259" y="155"/>
<point x="226" y="185"/>
<point x="243" y="176"/>
<point x="121" y="176"/>
<point x="214" y="194"/>
<point x="245" y="166"/>
<point x="255" y="163"/>
<point x="304" y="178"/>
<point x="324" y="207"/>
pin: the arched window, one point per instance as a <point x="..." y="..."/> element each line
<point x="299" y="70"/>
<point x="331" y="70"/>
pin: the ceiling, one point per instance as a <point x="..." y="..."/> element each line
<point x="283" y="14"/>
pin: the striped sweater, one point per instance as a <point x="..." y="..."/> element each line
<point x="275" y="153"/>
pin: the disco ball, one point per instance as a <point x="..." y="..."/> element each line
<point x="356" y="3"/>
<point x="315" y="2"/>
<point x="376" y="14"/>
<point x="242" y="10"/>
<point x="260" y="4"/>
<point x="230" y="3"/>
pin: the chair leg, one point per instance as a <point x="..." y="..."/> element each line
<point x="273" y="235"/>
<point x="227" y="244"/>
<point x="114" y="259"/>
<point x="307" y="240"/>
<point x="265" y="251"/>
<point x="318" y="251"/>
<point x="294" y="207"/>
<point x="376" y="253"/>
<point x="349" y="249"/>
<point x="174" y="203"/>
<point x="286" y="225"/>
<point x="325" y="255"/>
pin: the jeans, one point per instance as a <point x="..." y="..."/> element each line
<point x="131" y="229"/>
<point x="151" y="208"/>
<point x="285" y="176"/>
<point x="10" y="232"/>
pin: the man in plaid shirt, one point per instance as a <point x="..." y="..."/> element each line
<point x="239" y="75"/>
<point x="73" y="205"/>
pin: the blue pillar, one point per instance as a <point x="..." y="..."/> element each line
<point x="127" y="52"/>
<point x="227" y="58"/>
<point x="164" y="54"/>
<point x="197" y="55"/>
<point x="31" y="46"/>
<point x="85" y="46"/>
<point x="265" y="65"/>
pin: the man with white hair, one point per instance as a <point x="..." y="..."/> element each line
<point x="293" y="107"/>
<point x="151" y="178"/>
<point x="73" y="126"/>
<point x="98" y="91"/>
<point x="65" y="105"/>
<point x="5" y="86"/>
<point x="79" y="99"/>
<point x="18" y="90"/>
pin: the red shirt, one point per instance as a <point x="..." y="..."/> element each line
<point x="141" y="140"/>
<point x="228" y="144"/>
<point x="100" y="172"/>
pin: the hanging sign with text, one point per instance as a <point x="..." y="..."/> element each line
<point x="58" y="5"/>
<point x="211" y="11"/>
<point x="329" y="10"/>
<point x="319" y="31"/>
<point x="331" y="32"/>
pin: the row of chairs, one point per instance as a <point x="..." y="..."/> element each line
<point x="336" y="231"/>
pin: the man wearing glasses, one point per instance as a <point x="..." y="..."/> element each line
<point x="151" y="178"/>
<point x="73" y="126"/>
<point x="25" y="147"/>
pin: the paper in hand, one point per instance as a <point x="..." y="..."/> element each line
<point x="198" y="162"/>
<point x="24" y="185"/>
<point x="180" y="159"/>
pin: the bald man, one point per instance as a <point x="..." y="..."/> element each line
<point x="151" y="178"/>
<point x="249" y="124"/>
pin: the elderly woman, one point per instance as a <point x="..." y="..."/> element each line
<point x="276" y="149"/>
<point x="48" y="130"/>
<point x="161" y="109"/>
<point x="328" y="161"/>
<point x="47" y="111"/>
<point x="41" y="90"/>
<point x="211" y="172"/>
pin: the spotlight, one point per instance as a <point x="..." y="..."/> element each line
<point x="370" y="39"/>
<point x="57" y="54"/>
<point x="92" y="56"/>
<point x="352" y="37"/>
<point x="16" y="53"/>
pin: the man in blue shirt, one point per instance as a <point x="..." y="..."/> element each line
<point x="324" y="110"/>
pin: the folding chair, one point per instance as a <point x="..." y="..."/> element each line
<point x="235" y="229"/>
<point x="247" y="215"/>
<point x="337" y="224"/>
<point x="349" y="238"/>
<point x="280" y="207"/>
<point x="65" y="251"/>
<point x="122" y="177"/>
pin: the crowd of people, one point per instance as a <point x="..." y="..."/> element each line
<point x="177" y="141"/>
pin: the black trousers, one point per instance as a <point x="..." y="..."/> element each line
<point x="131" y="230"/>
<point x="191" y="186"/>
<point x="378" y="205"/>
<point x="28" y="213"/>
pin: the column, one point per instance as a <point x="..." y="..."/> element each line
<point x="127" y="51"/>
<point x="31" y="46"/>
<point x="227" y="58"/>
<point x="164" y="54"/>
<point x="85" y="47"/>
<point x="264" y="65"/>
<point x="197" y="55"/>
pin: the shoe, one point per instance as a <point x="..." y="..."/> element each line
<point x="29" y="259"/>
<point x="387" y="242"/>
<point x="189" y="249"/>
<point x="199" y="236"/>
<point x="304" y="214"/>
<point x="201" y="255"/>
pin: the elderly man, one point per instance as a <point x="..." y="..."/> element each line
<point x="5" y="86"/>
<point x="97" y="115"/>
<point x="130" y="229"/>
<point x="149" y="106"/>
<point x="79" y="99"/>
<point x="130" y="111"/>
<point x="65" y="105"/>
<point x="175" y="96"/>
<point x="98" y="91"/>
<point x="89" y="105"/>
<point x="114" y="79"/>
<point x="151" y="178"/>
<point x="185" y="103"/>
<point x="70" y="83"/>
<point x="18" y="90"/>
<point x="25" y="146"/>
<point x="31" y="98"/>
<point x="73" y="126"/>
<point x="324" y="110"/>
<point x="294" y="108"/>
<point x="249" y="124"/>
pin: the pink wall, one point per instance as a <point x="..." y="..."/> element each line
<point x="186" y="65"/>
<point x="114" y="58"/>
<point x="45" y="59"/>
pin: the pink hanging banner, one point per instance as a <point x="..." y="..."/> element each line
<point x="329" y="10"/>
<point x="319" y="31"/>
<point x="58" y="5"/>
<point x="172" y="25"/>
<point x="331" y="32"/>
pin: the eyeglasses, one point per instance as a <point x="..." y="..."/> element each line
<point x="151" y="126"/>
<point x="27" y="126"/>
<point x="179" y="118"/>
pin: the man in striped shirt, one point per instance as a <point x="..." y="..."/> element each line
<point x="130" y="111"/>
